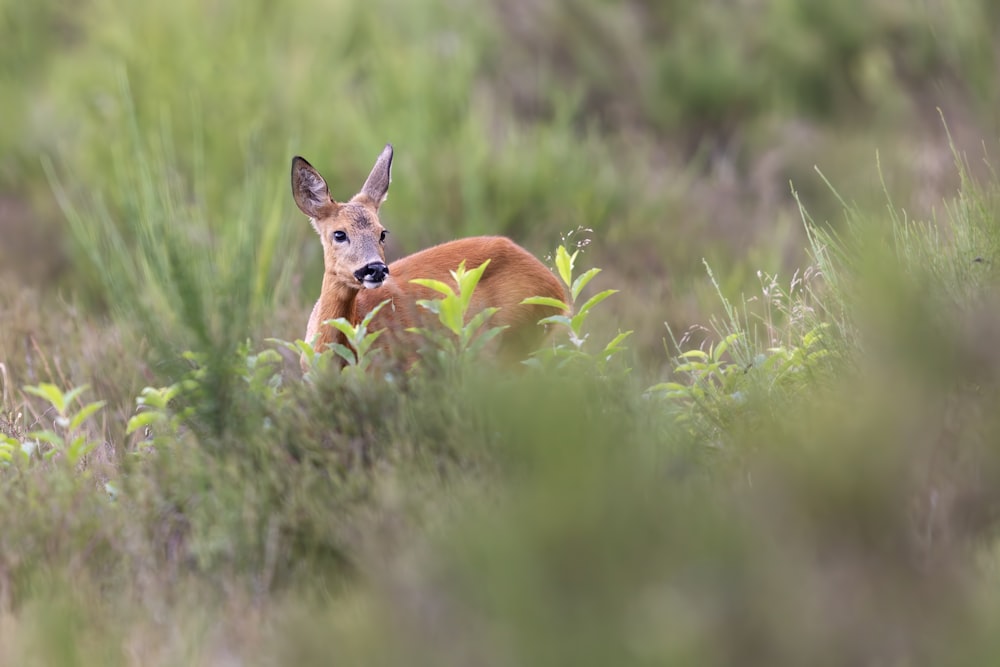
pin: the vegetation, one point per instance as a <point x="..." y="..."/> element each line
<point x="799" y="468"/>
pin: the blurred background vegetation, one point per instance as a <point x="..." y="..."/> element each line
<point x="819" y="488"/>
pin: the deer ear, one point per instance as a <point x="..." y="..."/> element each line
<point x="377" y="185"/>
<point x="308" y="188"/>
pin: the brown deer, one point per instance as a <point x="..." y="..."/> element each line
<point x="357" y="279"/>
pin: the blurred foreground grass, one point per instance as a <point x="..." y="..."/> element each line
<point x="811" y="479"/>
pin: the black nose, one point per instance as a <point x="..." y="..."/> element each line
<point x="374" y="272"/>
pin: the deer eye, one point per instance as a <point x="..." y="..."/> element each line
<point x="339" y="236"/>
<point x="381" y="239"/>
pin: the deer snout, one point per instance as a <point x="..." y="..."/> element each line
<point x="372" y="274"/>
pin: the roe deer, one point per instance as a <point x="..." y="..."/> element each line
<point x="356" y="278"/>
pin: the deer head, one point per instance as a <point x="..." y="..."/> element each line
<point x="351" y="233"/>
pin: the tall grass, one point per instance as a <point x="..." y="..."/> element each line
<point x="838" y="506"/>
<point x="192" y="274"/>
<point x="507" y="120"/>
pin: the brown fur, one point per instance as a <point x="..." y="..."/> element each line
<point x="513" y="274"/>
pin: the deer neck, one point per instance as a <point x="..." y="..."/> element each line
<point x="334" y="301"/>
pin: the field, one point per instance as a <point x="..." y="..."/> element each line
<point x="769" y="436"/>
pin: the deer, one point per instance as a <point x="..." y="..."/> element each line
<point x="356" y="278"/>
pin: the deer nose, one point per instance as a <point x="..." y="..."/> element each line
<point x="373" y="272"/>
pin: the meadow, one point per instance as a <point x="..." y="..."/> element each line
<point x="766" y="436"/>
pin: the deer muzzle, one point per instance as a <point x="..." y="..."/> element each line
<point x="372" y="275"/>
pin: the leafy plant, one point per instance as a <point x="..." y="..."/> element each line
<point x="11" y="432"/>
<point x="357" y="354"/>
<point x="573" y="323"/>
<point x="785" y="362"/>
<point x="461" y="339"/>
<point x="162" y="412"/>
<point x="154" y="414"/>
<point x="710" y="374"/>
<point x="67" y="437"/>
<point x="767" y="346"/>
<point x="8" y="446"/>
<point x="317" y="361"/>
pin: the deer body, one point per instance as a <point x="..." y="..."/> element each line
<point x="356" y="278"/>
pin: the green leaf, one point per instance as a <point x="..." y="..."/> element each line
<point x="480" y="318"/>
<point x="556" y="319"/>
<point x="596" y="299"/>
<point x="480" y="342"/>
<point x="8" y="446"/>
<point x="372" y="313"/>
<point x="307" y="351"/>
<point x="152" y="397"/>
<point x="545" y="301"/>
<point x="431" y="305"/>
<point x="691" y="367"/>
<point x="73" y="452"/>
<point x="435" y="285"/>
<point x="365" y="344"/>
<point x="72" y="394"/>
<point x="84" y="413"/>
<point x="467" y="281"/>
<point x="668" y="387"/>
<point x="577" y="320"/>
<point x="694" y="354"/>
<point x="267" y="357"/>
<point x="582" y="281"/>
<point x="564" y="264"/>
<point x="614" y="346"/>
<point x="143" y="419"/>
<point x="451" y="315"/>
<point x="299" y="346"/>
<point x="79" y="448"/>
<point x="343" y="326"/>
<point x="344" y="352"/>
<point x="47" y="436"/>
<point x="50" y="393"/>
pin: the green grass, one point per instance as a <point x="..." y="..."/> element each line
<point x="799" y="469"/>
<point x="774" y="503"/>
